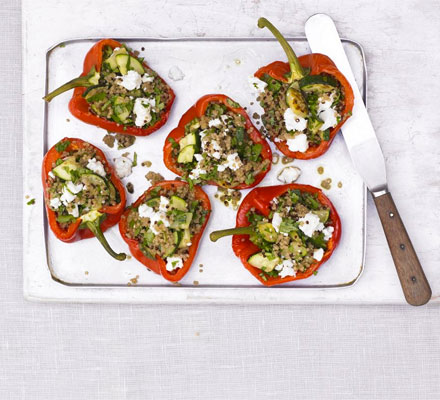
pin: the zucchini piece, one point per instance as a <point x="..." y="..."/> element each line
<point x="126" y="62"/>
<point x="262" y="262"/>
<point x="186" y="239"/>
<point x="111" y="61"/>
<point x="317" y="84"/>
<point x="153" y="202"/>
<point x="314" y="124"/>
<point x="111" y="188"/>
<point x="178" y="203"/>
<point x="177" y="237"/>
<point x="299" y="250"/>
<point x="182" y="220"/>
<point x="296" y="101"/>
<point x="122" y="107"/>
<point x="187" y="154"/>
<point x="268" y="232"/>
<point x="188" y="140"/>
<point x="63" y="170"/>
<point x="323" y="215"/>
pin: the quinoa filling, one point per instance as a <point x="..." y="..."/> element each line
<point x="79" y="184"/>
<point x="217" y="147"/>
<point x="165" y="223"/>
<point x="128" y="92"/>
<point x="293" y="237"/>
<point x="301" y="125"/>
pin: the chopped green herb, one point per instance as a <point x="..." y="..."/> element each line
<point x="62" y="146"/>
<point x="30" y="202"/>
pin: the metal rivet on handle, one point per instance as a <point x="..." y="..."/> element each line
<point x="391" y="215"/>
<point x="413" y="278"/>
<point x="402" y="246"/>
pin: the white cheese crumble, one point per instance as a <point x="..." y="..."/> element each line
<point x="147" y="78"/>
<point x="74" y="189"/>
<point x="96" y="166"/>
<point x="257" y="84"/>
<point x="132" y="80"/>
<point x="232" y="161"/>
<point x="74" y="211"/>
<point x="142" y="110"/>
<point x="146" y="211"/>
<point x="123" y="166"/>
<point x="203" y="133"/>
<point x="174" y="263"/>
<point x="212" y="148"/>
<point x="294" y="122"/>
<point x="51" y="174"/>
<point x="276" y="221"/>
<point x="289" y="174"/>
<point x="310" y="223"/>
<point x="198" y="157"/>
<point x="196" y="172"/>
<point x="328" y="232"/>
<point x="298" y="143"/>
<point x="163" y="205"/>
<point x="216" y="123"/>
<point x="66" y="196"/>
<point x="175" y="73"/>
<point x="285" y="269"/>
<point x="318" y="254"/>
<point x="55" y="203"/>
<point x="327" y="114"/>
<point x="225" y="118"/>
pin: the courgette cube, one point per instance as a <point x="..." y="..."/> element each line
<point x="186" y="155"/>
<point x="111" y="61"/>
<point x="182" y="220"/>
<point x="268" y="232"/>
<point x="259" y="261"/>
<point x="153" y="202"/>
<point x="178" y="203"/>
<point x="296" y="102"/>
<point x="126" y="63"/>
<point x="323" y="215"/>
<point x="63" y="170"/>
<point x="188" y="140"/>
<point x="186" y="239"/>
<point x="317" y="84"/>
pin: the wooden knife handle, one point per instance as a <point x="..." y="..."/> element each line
<point x="412" y="278"/>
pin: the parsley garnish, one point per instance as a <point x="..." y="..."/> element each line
<point x="61" y="146"/>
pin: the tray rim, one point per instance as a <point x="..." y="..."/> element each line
<point x="183" y="287"/>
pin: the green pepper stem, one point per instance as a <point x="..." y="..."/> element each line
<point x="244" y="230"/>
<point x="297" y="71"/>
<point x="95" y="227"/>
<point x="92" y="78"/>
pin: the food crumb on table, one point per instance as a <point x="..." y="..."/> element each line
<point x="130" y="188"/>
<point x="228" y="197"/>
<point x="146" y="164"/>
<point x="196" y="283"/>
<point x="286" y="160"/>
<point x="320" y="170"/>
<point x="154" y="177"/>
<point x="326" y="183"/>
<point x="339" y="184"/>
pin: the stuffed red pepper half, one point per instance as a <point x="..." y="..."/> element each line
<point x="284" y="233"/>
<point x="83" y="195"/>
<point x="305" y="101"/>
<point x="164" y="226"/>
<point x="216" y="143"/>
<point x="118" y="91"/>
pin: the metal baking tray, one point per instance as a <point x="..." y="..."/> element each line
<point x="209" y="65"/>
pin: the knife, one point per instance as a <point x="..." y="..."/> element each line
<point x="367" y="157"/>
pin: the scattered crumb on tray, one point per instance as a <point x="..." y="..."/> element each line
<point x="339" y="184"/>
<point x="134" y="280"/>
<point x="286" y="160"/>
<point x="228" y="197"/>
<point x="320" y="170"/>
<point x="67" y="119"/>
<point x="146" y="164"/>
<point x="326" y="183"/>
<point x="176" y="283"/>
<point x="275" y="158"/>
<point x="255" y="115"/>
<point x="130" y="188"/>
<point x="86" y="272"/>
<point x="154" y="177"/>
<point x="196" y="283"/>
<point x="123" y="141"/>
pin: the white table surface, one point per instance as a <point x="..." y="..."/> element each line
<point x="71" y="351"/>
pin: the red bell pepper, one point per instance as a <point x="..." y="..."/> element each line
<point x="158" y="265"/>
<point x="197" y="111"/>
<point x="260" y="199"/>
<point x="297" y="68"/>
<point x="78" y="229"/>
<point x="79" y="106"/>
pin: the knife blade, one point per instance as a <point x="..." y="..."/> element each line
<point x="367" y="158"/>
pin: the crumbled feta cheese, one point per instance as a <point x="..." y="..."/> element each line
<point x="318" y="254"/>
<point x="294" y="122"/>
<point x="175" y="73"/>
<point x="310" y="223"/>
<point x="55" y="203"/>
<point x="285" y="269"/>
<point x="257" y="84"/>
<point x="142" y="110"/>
<point x="276" y="221"/>
<point x="328" y="232"/>
<point x="298" y="143"/>
<point x="212" y="148"/>
<point x="203" y="133"/>
<point x="145" y="211"/>
<point x="123" y="166"/>
<point x="289" y="174"/>
<point x="164" y="202"/>
<point x="217" y="123"/>
<point x="96" y="166"/>
<point x="66" y="196"/>
<point x="74" y="211"/>
<point x="232" y="161"/>
<point x="196" y="172"/>
<point x="130" y="81"/>
<point x="174" y="263"/>
<point x="225" y="118"/>
<point x="326" y="113"/>
<point x="147" y="78"/>
<point x="51" y="174"/>
<point x="74" y="189"/>
<point x="198" y="157"/>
